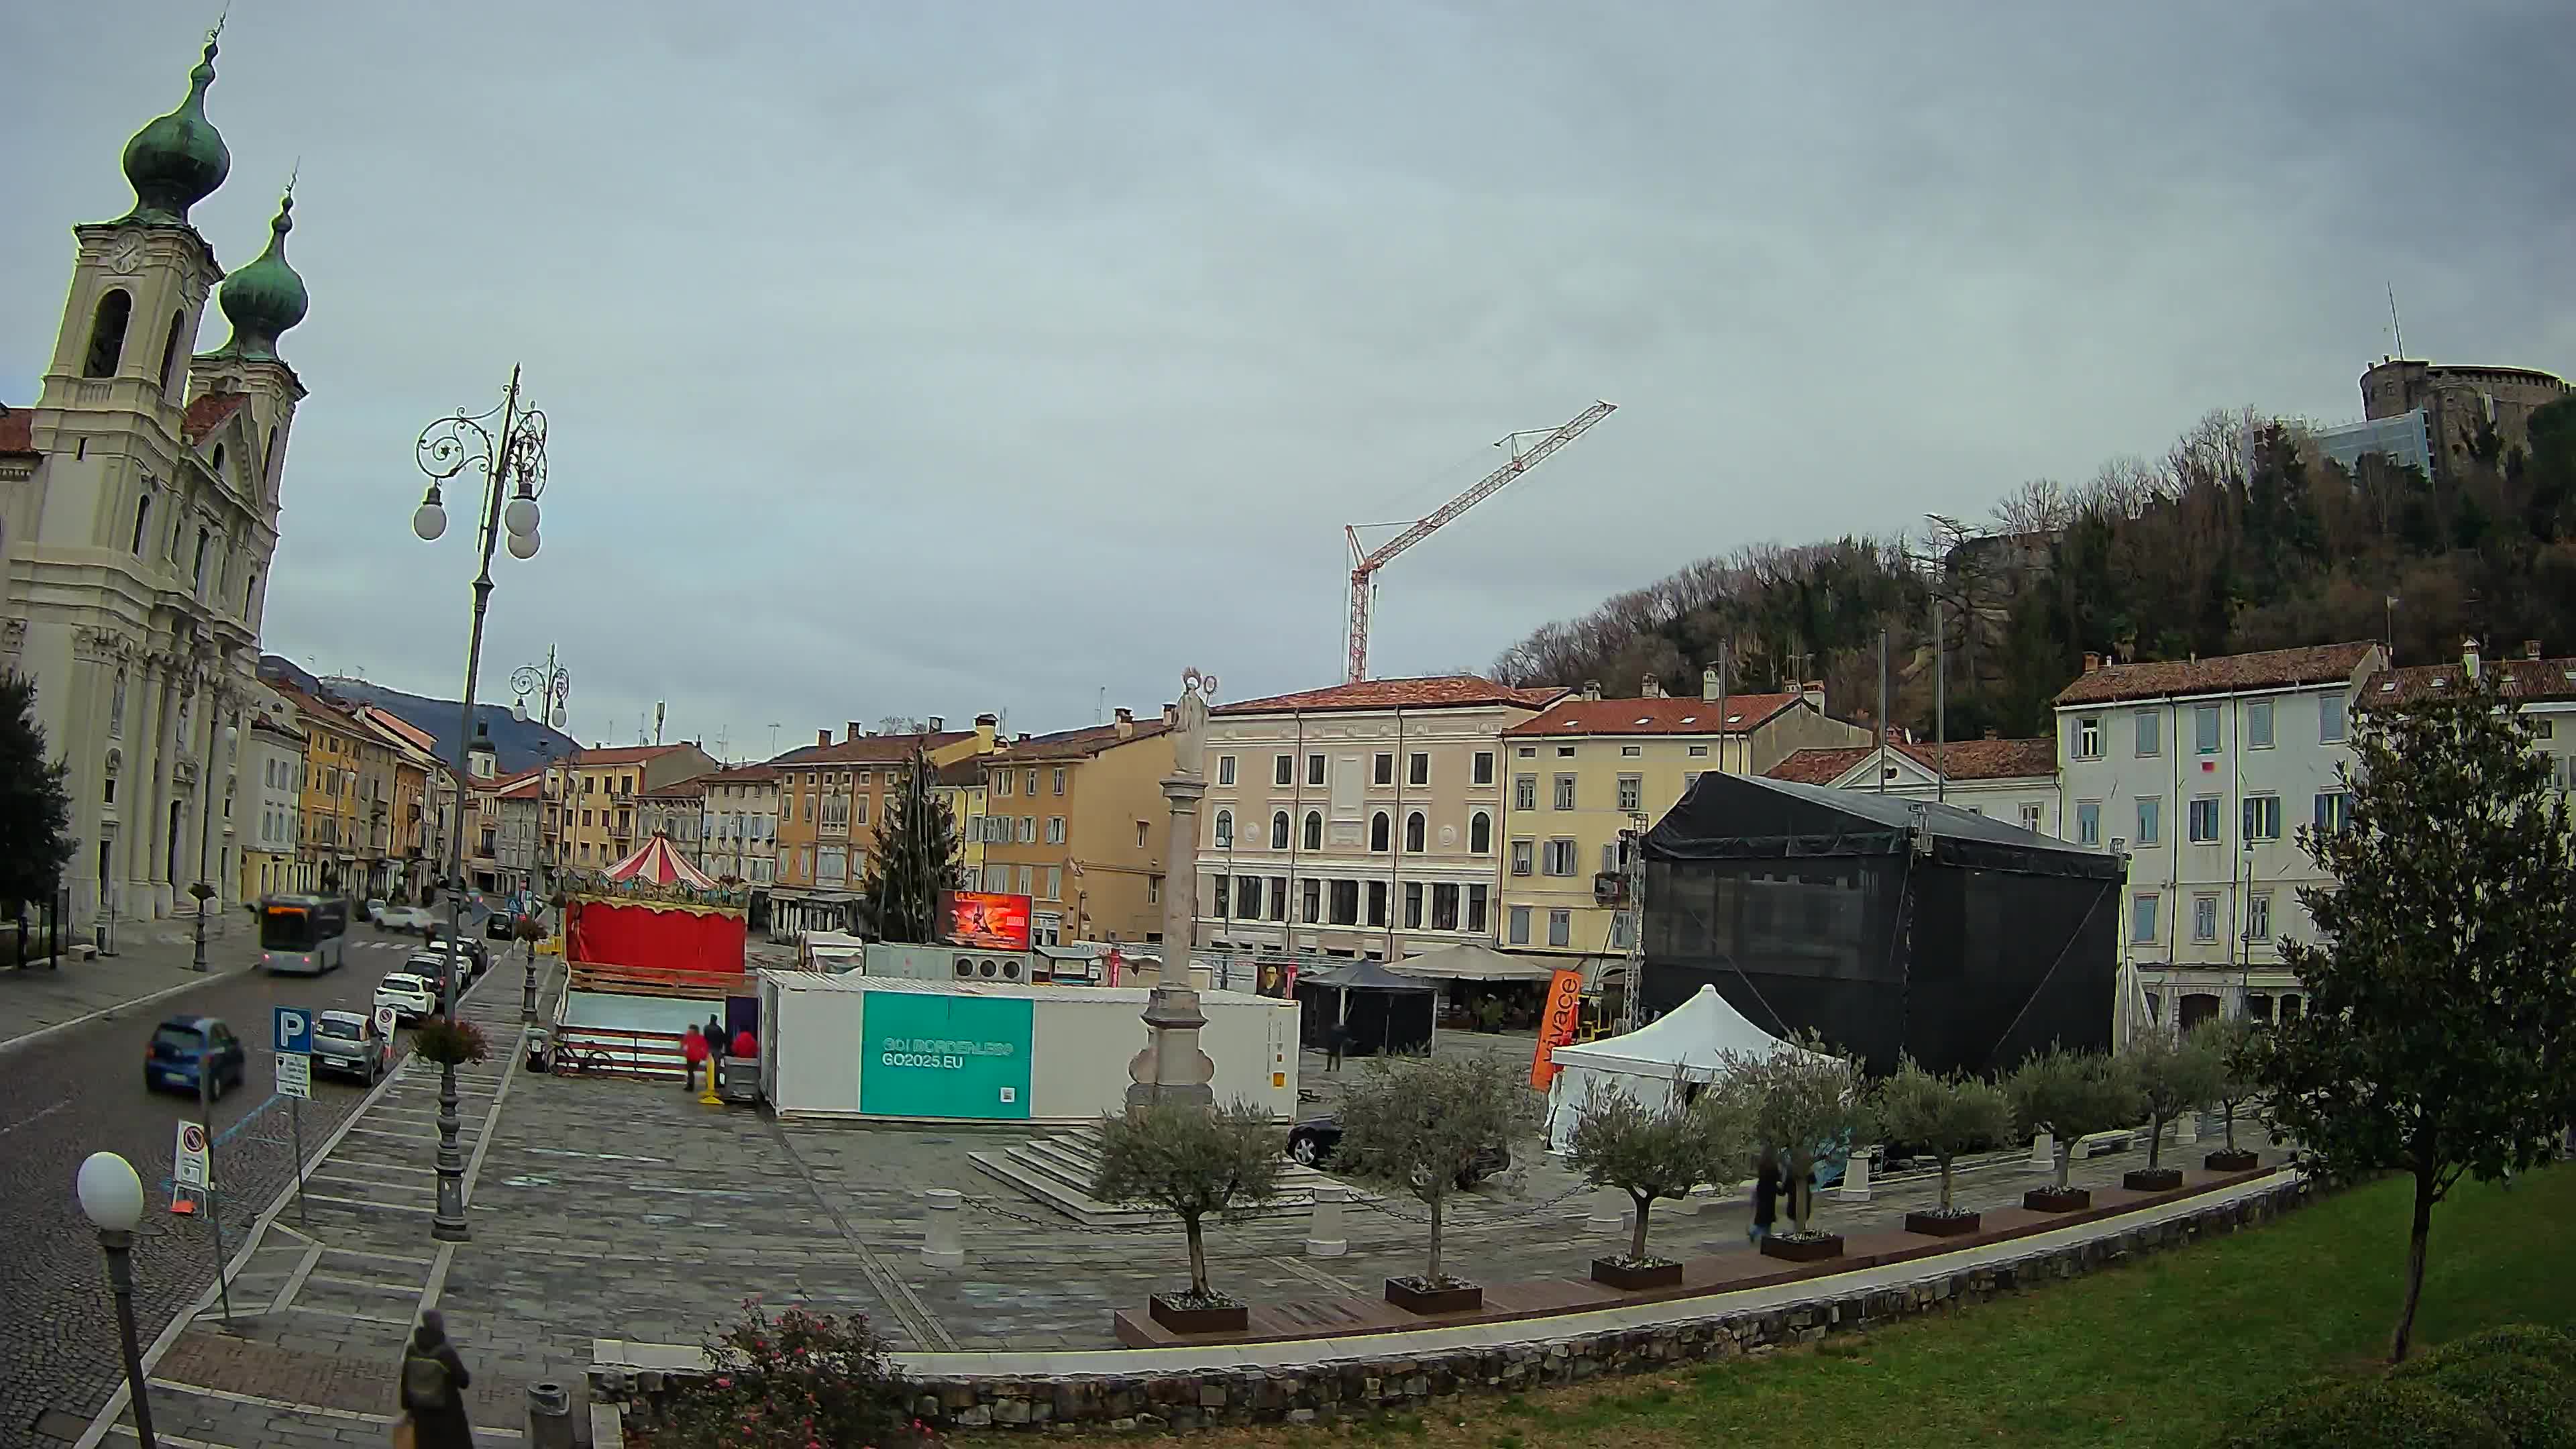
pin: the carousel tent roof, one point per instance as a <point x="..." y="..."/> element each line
<point x="656" y="863"/>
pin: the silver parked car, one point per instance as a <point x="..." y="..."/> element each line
<point x="347" y="1043"/>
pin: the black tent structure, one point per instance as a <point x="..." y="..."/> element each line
<point x="1887" y="925"/>
<point x="1384" y="1011"/>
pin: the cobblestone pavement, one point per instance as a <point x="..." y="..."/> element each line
<point x="62" y="1354"/>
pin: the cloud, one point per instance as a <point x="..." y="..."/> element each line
<point x="934" y="359"/>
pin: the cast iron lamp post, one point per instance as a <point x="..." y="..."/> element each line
<point x="204" y="890"/>
<point x="111" y="1197"/>
<point x="514" y="475"/>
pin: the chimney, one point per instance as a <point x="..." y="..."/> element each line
<point x="822" y="737"/>
<point x="1171" y="715"/>
<point x="1814" y="693"/>
<point x="1592" y="689"/>
<point x="1709" y="688"/>
<point x="2469" y="657"/>
<point x="1653" y="688"/>
<point x="1022" y="739"/>
<point x="855" y="731"/>
<point x="2092" y="662"/>
<point x="939" y="724"/>
<point x="986" y="727"/>
<point x="1126" y="723"/>
<point x="2530" y="648"/>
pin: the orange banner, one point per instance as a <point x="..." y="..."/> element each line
<point x="1557" y="1027"/>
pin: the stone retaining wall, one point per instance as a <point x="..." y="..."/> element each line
<point x="1375" y="1384"/>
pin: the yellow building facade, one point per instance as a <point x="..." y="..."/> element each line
<point x="345" y="766"/>
<point x="1076" y="821"/>
<point x="961" y="788"/>
<point x="832" y="801"/>
<point x="590" y="816"/>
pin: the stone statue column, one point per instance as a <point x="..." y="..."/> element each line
<point x="1172" y="1068"/>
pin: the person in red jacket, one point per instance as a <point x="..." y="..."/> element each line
<point x="744" y="1044"/>
<point x="693" y="1045"/>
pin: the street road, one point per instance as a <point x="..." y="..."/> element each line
<point x="81" y="1091"/>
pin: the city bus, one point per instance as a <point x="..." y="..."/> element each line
<point x="302" y="935"/>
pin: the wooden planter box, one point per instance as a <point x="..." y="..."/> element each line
<point x="2053" y="1200"/>
<point x="1941" y="1225"/>
<point x="1627" y="1278"/>
<point x="1457" y="1298"/>
<point x="2239" y="1160"/>
<point x="1191" y="1318"/>
<point x="1810" y="1250"/>
<point x="2151" y="1179"/>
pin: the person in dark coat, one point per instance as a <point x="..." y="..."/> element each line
<point x="431" y="1388"/>
<point x="1337" y="1040"/>
<point x="716" y="1037"/>
<point x="1766" y="1200"/>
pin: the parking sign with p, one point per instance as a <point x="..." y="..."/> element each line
<point x="294" y="1030"/>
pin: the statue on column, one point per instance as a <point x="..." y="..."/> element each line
<point x="1172" y="1068"/>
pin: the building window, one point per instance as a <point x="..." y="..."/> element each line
<point x="142" y="521"/>
<point x="2262" y="817"/>
<point x="1313" y="902"/>
<point x="2258" y="916"/>
<point x="2204" y="729"/>
<point x="1414" y="828"/>
<point x="1346" y="903"/>
<point x="1028" y="832"/>
<point x="2330" y="721"/>
<point x="2204" y="918"/>
<point x="1314" y="769"/>
<point x="1522" y="851"/>
<point x="1279" y="830"/>
<point x="1055" y="830"/>
<point x="2258" y="725"/>
<point x="1224" y="830"/>
<point x="1565" y="752"/>
<point x="1379" y="833"/>
<point x="2204" y="820"/>
<point x="2088" y="822"/>
<point x="1059" y="780"/>
<point x="1559" y="859"/>
<point x="1526" y="752"/>
<point x="1444" y="906"/>
<point x="1417" y="768"/>
<point x="1698" y="752"/>
<point x="2032" y="817"/>
<point x="1314" y="830"/>
<point x="1223" y="906"/>
<point x="1484" y="768"/>
<point x="2088" y="738"/>
<point x="1028" y="880"/>
<point x="1153" y="890"/>
<point x="2151" y="734"/>
<point x="1476" y="909"/>
<point x="1622" y="930"/>
<point x="1377" y="903"/>
<point x="1480" y="834"/>
<point x="1279" y="898"/>
<point x="2142" y="919"/>
<point x="107" y="333"/>
<point x="1565" y="792"/>
<point x="1031" y="784"/>
<point x="1002" y="782"/>
<point x="1382" y="768"/>
<point x="1225" y="769"/>
<point x="1413" y="905"/>
<point x="1283" y="770"/>
<point x="1632" y="793"/>
<point x="1525" y="792"/>
<point x="1519" y="922"/>
<point x="2334" y="809"/>
<point x="1560" y="928"/>
<point x="2151" y="820"/>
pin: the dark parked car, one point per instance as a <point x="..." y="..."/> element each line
<point x="1312" y="1141"/>
<point x="499" y="925"/>
<point x="474" y="947"/>
<point x="185" y="1048"/>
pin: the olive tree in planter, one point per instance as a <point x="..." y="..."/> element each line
<point x="2174" y="1075"/>
<point x="1806" y="1104"/>
<point x="1656" y="1152"/>
<point x="1194" y="1164"/>
<point x="1427" y="1127"/>
<point x="2238" y="1049"/>
<point x="2073" y="1095"/>
<point x="1943" y="1116"/>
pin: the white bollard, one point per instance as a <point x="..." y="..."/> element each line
<point x="1609" y="1212"/>
<point x="1325" y="1235"/>
<point x="2043" y="1152"/>
<point x="940" y="1245"/>
<point x="2187" y="1128"/>
<point x="1855" y="1185"/>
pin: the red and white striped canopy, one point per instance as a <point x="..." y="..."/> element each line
<point x="657" y="863"/>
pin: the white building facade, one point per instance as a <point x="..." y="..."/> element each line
<point x="2014" y="781"/>
<point x="2201" y="773"/>
<point x="268" y="813"/>
<point x="740" y="834"/>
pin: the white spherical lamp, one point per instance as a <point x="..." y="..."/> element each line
<point x="521" y="515"/>
<point x="429" y="520"/>
<point x="523" y="545"/>
<point x="111" y="1196"/>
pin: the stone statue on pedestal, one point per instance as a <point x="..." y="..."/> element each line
<point x="1171" y="1068"/>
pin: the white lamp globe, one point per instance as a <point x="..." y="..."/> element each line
<point x="111" y="1196"/>
<point x="523" y="545"/>
<point x="428" y="522"/>
<point x="521" y="515"/>
<point x="519" y="711"/>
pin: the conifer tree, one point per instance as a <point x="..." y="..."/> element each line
<point x="35" y="805"/>
<point x="915" y="858"/>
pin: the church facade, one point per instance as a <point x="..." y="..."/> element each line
<point x="138" y="516"/>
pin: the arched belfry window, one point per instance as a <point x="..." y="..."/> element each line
<point x="107" y="333"/>
<point x="170" y="350"/>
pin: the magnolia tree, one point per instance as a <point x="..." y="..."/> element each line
<point x="2173" y="1075"/>
<point x="2440" y="1035"/>
<point x="1944" y="1116"/>
<point x="1194" y="1164"/>
<point x="1420" y="1125"/>
<point x="1651" y="1153"/>
<point x="1807" y="1104"/>
<point x="2237" y="1048"/>
<point x="2072" y="1095"/>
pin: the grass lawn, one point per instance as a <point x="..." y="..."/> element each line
<point x="2159" y="1352"/>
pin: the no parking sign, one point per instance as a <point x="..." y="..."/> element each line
<point x="188" y="1164"/>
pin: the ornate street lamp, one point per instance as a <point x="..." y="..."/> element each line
<point x="513" y="466"/>
<point x="111" y="1197"/>
<point x="204" y="890"/>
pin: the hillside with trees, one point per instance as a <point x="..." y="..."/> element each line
<point x="2239" y="538"/>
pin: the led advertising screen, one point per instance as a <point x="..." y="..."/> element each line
<point x="982" y="918"/>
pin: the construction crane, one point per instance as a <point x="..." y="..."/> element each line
<point x="1366" y="562"/>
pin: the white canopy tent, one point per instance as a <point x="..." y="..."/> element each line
<point x="1685" y="1045"/>
<point x="1468" y="961"/>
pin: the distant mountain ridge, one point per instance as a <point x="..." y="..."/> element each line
<point x="516" y="744"/>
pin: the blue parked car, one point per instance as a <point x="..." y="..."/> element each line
<point x="185" y="1047"/>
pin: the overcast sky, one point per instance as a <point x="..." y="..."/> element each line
<point x="928" y="359"/>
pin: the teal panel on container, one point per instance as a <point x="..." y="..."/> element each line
<point x="936" y="1055"/>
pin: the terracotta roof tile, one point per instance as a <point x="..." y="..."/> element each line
<point x="871" y="749"/>
<point x="2226" y="674"/>
<point x="1743" y="713"/>
<point x="694" y="787"/>
<point x="621" y="755"/>
<point x="17" y="430"/>
<point x="208" y="412"/>
<point x="1965" y="760"/>
<point x="742" y="775"/>
<point x="1820" y="766"/>
<point x="965" y="772"/>
<point x="1079" y="744"/>
<point x="524" y="790"/>
<point x="2534" y="679"/>
<point x="1439" y="691"/>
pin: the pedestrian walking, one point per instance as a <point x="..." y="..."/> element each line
<point x="716" y="1037"/>
<point x="1337" y="1040"/>
<point x="1766" y="1200"/>
<point x="693" y="1047"/>
<point x="433" y="1383"/>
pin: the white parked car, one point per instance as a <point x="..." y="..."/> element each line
<point x="415" y="919"/>
<point x="428" y="964"/>
<point x="413" y="998"/>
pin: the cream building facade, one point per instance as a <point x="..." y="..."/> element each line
<point x="138" y="516"/>
<point x="268" y="809"/>
<point x="2014" y="781"/>
<point x="742" y="826"/>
